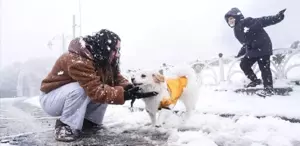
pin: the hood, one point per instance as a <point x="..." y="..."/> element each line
<point x="235" y="13"/>
<point x="78" y="46"/>
<point x="101" y="45"/>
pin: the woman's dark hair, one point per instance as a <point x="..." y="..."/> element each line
<point x="100" y="45"/>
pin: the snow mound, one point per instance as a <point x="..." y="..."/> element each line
<point x="33" y="101"/>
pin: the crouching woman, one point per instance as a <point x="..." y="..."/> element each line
<point x="83" y="82"/>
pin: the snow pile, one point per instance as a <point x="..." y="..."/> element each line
<point x="33" y="101"/>
<point x="232" y="103"/>
<point x="190" y="138"/>
<point x="246" y="130"/>
<point x="209" y="130"/>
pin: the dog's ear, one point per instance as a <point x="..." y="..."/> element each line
<point x="158" y="78"/>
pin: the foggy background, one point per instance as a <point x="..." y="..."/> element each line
<point x="152" y="32"/>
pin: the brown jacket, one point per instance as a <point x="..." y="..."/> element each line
<point x="77" y="66"/>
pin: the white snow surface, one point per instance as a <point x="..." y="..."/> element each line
<point x="211" y="130"/>
<point x="33" y="101"/>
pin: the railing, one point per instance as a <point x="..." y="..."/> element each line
<point x="217" y="66"/>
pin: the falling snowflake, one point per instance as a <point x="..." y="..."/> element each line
<point x="101" y="34"/>
<point x="239" y="13"/>
<point x="246" y="29"/>
<point x="60" y="73"/>
<point x="108" y="48"/>
<point x="109" y="41"/>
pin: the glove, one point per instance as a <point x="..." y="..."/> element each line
<point x="135" y="93"/>
<point x="145" y="94"/>
<point x="128" y="87"/>
<point x="129" y="92"/>
<point x="242" y="51"/>
<point x="280" y="14"/>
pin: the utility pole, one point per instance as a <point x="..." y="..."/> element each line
<point x="63" y="43"/>
<point x="74" y="27"/>
<point x="1" y="33"/>
<point x="80" y="22"/>
<point x="64" y="38"/>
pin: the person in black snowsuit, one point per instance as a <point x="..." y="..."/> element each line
<point x="256" y="45"/>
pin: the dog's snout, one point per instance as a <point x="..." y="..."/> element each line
<point x="132" y="79"/>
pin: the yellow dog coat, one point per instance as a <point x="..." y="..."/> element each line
<point x="175" y="87"/>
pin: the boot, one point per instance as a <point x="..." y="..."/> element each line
<point x="268" y="91"/>
<point x="254" y="83"/>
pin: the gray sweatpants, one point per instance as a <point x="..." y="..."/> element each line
<point x="73" y="105"/>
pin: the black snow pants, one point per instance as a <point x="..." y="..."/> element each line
<point x="264" y="66"/>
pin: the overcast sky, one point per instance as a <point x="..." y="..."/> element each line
<point x="152" y="31"/>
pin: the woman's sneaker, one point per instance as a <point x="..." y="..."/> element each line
<point x="64" y="133"/>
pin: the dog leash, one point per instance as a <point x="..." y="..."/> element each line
<point x="131" y="103"/>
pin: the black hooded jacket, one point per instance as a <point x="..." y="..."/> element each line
<point x="251" y="34"/>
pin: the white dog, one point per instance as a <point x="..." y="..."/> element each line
<point x="182" y="82"/>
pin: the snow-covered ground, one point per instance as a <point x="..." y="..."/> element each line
<point x="209" y="129"/>
<point x="33" y="101"/>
